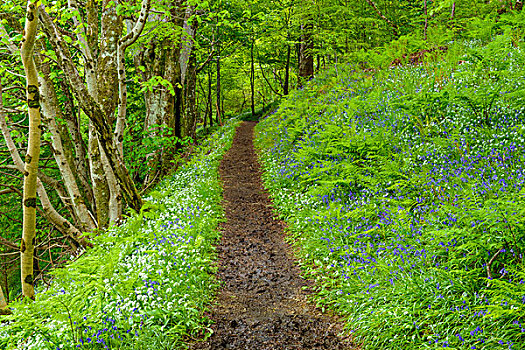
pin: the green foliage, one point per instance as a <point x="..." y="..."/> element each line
<point x="155" y="82"/>
<point x="259" y="113"/>
<point x="141" y="146"/>
<point x="404" y="192"/>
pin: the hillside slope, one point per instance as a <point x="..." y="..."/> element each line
<point x="404" y="194"/>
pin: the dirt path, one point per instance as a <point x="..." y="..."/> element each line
<point x="261" y="304"/>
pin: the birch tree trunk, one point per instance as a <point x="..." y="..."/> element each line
<point x="98" y="179"/>
<point x="60" y="222"/>
<point x="71" y="131"/>
<point x="27" y="246"/>
<point x="115" y="197"/>
<point x="100" y="111"/>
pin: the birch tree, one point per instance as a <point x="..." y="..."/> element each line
<point x="63" y="225"/>
<point x="58" y="102"/>
<point x="27" y="245"/>
<point x="97" y="96"/>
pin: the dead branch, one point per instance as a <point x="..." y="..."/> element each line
<point x="491" y="261"/>
<point x="9" y="244"/>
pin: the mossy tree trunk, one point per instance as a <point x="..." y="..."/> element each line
<point x="306" y="61"/>
<point x="3" y="304"/>
<point x="50" y="113"/>
<point x="170" y="58"/>
<point x="99" y="98"/>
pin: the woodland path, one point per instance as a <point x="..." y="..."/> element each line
<point x="261" y="304"/>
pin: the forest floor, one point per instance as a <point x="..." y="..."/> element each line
<point x="262" y="303"/>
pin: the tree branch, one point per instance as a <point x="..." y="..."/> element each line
<point x="380" y="14"/>
<point x="203" y="65"/>
<point x="491" y="261"/>
<point x="10" y="189"/>
<point x="265" y="79"/>
<point x="3" y="34"/>
<point x="81" y="34"/>
<point x="94" y="111"/>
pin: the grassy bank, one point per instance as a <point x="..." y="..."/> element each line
<point x="404" y="192"/>
<point x="146" y="284"/>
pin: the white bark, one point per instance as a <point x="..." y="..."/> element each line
<point x="50" y="112"/>
<point x="80" y="30"/>
<point x="99" y="111"/>
<point x="155" y="106"/>
<point x="50" y="212"/>
<point x="3" y="302"/>
<point x="115" y="202"/>
<point x="98" y="179"/>
<point x="27" y="247"/>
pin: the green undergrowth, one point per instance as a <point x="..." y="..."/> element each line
<point x="404" y="190"/>
<point x="145" y="284"/>
<point x="259" y="112"/>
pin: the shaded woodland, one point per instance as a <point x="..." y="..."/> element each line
<point x="101" y="100"/>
